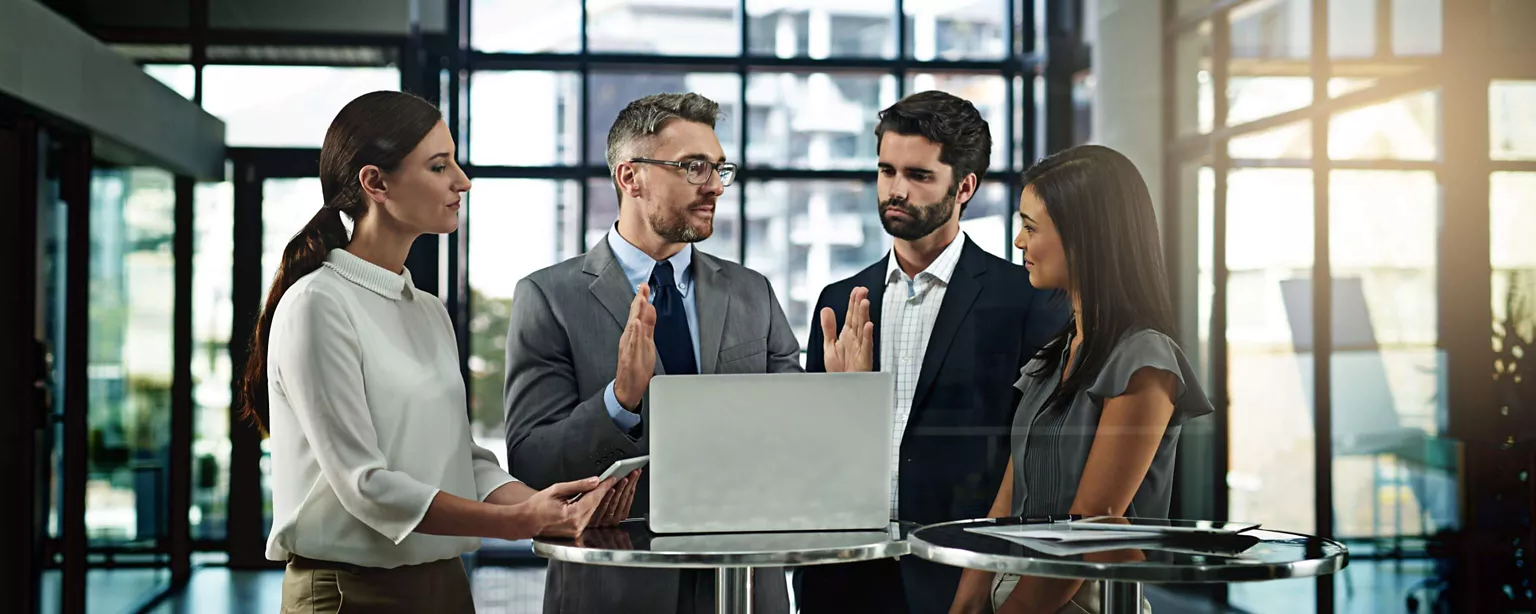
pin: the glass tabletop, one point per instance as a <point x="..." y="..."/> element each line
<point x="632" y="544"/>
<point x="1252" y="555"/>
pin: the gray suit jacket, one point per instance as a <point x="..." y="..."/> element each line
<point x="562" y="352"/>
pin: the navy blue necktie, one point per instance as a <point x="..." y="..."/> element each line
<point x="674" y="343"/>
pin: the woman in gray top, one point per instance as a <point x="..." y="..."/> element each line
<point x="1103" y="402"/>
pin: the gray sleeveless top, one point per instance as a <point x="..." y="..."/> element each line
<point x="1050" y="447"/>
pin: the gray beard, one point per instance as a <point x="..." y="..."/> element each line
<point x="682" y="232"/>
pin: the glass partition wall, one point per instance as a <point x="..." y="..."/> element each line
<point x="102" y="420"/>
<point x="1352" y="172"/>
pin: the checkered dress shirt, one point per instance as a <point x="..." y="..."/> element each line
<point x="907" y="314"/>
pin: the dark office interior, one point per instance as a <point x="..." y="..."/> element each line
<point x="1345" y="189"/>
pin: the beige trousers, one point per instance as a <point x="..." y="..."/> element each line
<point x="1084" y="601"/>
<point x="321" y="587"/>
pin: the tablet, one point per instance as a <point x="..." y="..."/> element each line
<point x="618" y="469"/>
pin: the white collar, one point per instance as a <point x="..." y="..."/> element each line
<point x="369" y="275"/>
<point x="942" y="268"/>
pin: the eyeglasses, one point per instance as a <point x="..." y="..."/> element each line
<point x="698" y="170"/>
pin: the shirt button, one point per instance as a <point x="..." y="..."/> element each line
<point x="905" y="360"/>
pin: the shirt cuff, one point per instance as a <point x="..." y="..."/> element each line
<point x="623" y="418"/>
<point x="399" y="528"/>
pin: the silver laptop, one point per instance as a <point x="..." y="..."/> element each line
<point x="777" y="452"/>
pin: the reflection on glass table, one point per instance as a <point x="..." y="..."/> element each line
<point x="1249" y="556"/>
<point x="733" y="556"/>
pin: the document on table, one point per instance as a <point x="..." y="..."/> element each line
<point x="1167" y="527"/>
<point x="1062" y="541"/>
<point x="1063" y="535"/>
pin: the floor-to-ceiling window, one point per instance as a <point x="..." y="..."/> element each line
<point x="212" y="369"/>
<point x="129" y="370"/>
<point x="1324" y="149"/>
<point x="799" y="84"/>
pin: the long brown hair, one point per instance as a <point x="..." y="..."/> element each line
<point x="378" y="129"/>
<point x="1103" y="211"/>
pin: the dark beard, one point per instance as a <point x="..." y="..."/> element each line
<point x="924" y="219"/>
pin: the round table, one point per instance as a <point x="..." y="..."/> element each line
<point x="1273" y="555"/>
<point x="733" y="556"/>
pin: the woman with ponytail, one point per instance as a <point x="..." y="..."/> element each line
<point x="378" y="487"/>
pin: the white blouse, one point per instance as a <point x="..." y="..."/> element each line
<point x="368" y="419"/>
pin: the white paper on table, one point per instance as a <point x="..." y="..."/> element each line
<point x="1063" y="534"/>
<point x="1060" y="540"/>
<point x="1072" y="536"/>
<point x="1060" y="548"/>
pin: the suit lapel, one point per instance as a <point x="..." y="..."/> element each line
<point x="874" y="280"/>
<point x="964" y="286"/>
<point x="611" y="287"/>
<point x="713" y="298"/>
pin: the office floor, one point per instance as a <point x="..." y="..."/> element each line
<point x="109" y="590"/>
<point x="498" y="590"/>
<point x="1365" y="586"/>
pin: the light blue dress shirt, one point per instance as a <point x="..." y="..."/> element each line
<point x="637" y="267"/>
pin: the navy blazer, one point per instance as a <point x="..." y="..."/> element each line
<point x="955" y="447"/>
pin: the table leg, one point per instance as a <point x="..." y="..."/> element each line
<point x="733" y="590"/>
<point x="1120" y="597"/>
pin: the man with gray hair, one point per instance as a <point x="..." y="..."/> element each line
<point x="587" y="335"/>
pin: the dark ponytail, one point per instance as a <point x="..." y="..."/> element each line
<point x="377" y="129"/>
